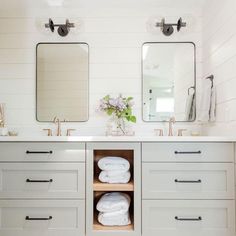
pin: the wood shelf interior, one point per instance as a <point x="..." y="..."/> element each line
<point x="98" y="226"/>
<point x="100" y="188"/>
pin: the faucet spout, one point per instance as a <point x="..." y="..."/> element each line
<point x="58" y="123"/>
<point x="171" y="122"/>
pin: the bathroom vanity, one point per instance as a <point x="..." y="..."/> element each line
<point x="179" y="186"/>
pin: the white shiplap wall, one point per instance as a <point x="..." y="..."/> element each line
<point x="115" y="37"/>
<point x="219" y="58"/>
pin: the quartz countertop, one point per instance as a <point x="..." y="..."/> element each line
<point x="118" y="139"/>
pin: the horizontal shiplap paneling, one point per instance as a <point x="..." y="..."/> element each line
<point x="115" y="37"/>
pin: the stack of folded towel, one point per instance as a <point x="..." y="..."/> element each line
<point x="114" y="209"/>
<point x="115" y="170"/>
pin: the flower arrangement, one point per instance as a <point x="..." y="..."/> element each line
<point x="120" y="108"/>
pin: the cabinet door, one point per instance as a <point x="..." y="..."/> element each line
<point x="187" y="152"/>
<point x="42" y="180"/>
<point x="188" y="181"/>
<point x="188" y="217"/>
<point x="42" y="217"/>
<point x="42" y="152"/>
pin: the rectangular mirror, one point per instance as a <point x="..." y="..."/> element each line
<point x="62" y="81"/>
<point x="169" y="77"/>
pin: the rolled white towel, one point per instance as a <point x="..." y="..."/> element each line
<point x="113" y="163"/>
<point x="114" y="177"/>
<point x="115" y="201"/>
<point x="114" y="218"/>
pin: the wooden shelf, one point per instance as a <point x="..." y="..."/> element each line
<point x="98" y="186"/>
<point x="98" y="226"/>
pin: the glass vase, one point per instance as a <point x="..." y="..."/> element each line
<point x="118" y="126"/>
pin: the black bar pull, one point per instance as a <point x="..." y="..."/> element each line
<point x="39" y="181"/>
<point x="189" y="219"/>
<point x="188" y="181"/>
<point x="30" y="218"/>
<point x="39" y="152"/>
<point x="197" y="152"/>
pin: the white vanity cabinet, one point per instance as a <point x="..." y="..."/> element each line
<point x="176" y="188"/>
<point x="188" y="189"/>
<point x="42" y="189"/>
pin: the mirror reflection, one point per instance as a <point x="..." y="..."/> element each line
<point x="62" y="81"/>
<point x="168" y="81"/>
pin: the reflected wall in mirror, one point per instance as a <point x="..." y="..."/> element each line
<point x="62" y="81"/>
<point x="169" y="77"/>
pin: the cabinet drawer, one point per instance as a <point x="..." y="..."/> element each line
<point x="39" y="217"/>
<point x="188" y="217"/>
<point x="42" y="180"/>
<point x="188" y="181"/>
<point x="187" y="152"/>
<point x="47" y="152"/>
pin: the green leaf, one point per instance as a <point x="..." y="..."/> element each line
<point x="107" y="98"/>
<point x="133" y="119"/>
<point x="110" y="111"/>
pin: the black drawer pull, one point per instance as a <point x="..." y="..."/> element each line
<point x="188" y="181"/>
<point x="39" y="152"/>
<point x="189" y="219"/>
<point x="197" y="152"/>
<point x="30" y="218"/>
<point x="39" y="181"/>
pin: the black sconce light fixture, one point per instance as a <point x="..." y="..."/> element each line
<point x="168" y="28"/>
<point x="63" y="29"/>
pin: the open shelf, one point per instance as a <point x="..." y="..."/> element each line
<point x="99" y="186"/>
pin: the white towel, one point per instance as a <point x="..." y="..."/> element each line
<point x="213" y="105"/>
<point x="114" y="218"/>
<point x="114" y="177"/>
<point x="115" y="201"/>
<point x="208" y="103"/>
<point x="113" y="163"/>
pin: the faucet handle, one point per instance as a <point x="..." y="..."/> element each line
<point x="159" y="132"/>
<point x="180" y="132"/>
<point x="49" y="132"/>
<point x="68" y="132"/>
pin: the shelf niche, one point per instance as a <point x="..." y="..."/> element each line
<point x="100" y="188"/>
<point x="98" y="226"/>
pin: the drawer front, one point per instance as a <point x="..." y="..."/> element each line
<point x="46" y="152"/>
<point x="187" y="152"/>
<point x="188" y="181"/>
<point x="42" y="180"/>
<point x="188" y="217"/>
<point x="39" y="217"/>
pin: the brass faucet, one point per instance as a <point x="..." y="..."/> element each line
<point x="171" y="122"/>
<point x="58" y="122"/>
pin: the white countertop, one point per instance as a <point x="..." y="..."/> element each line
<point x="118" y="139"/>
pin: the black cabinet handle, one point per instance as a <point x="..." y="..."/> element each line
<point x="188" y="181"/>
<point x="197" y="152"/>
<point x="39" y="152"/>
<point x="39" y="181"/>
<point x="30" y="218"/>
<point x="188" y="219"/>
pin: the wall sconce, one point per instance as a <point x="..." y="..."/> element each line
<point x="166" y="28"/>
<point x="63" y="29"/>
